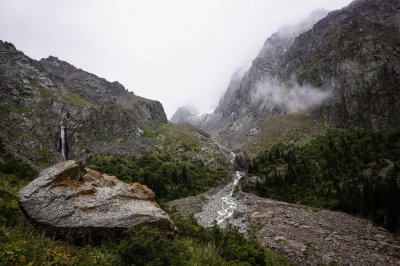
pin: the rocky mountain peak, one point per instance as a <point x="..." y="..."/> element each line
<point x="6" y="46"/>
<point x="182" y="114"/>
<point x="352" y="54"/>
<point x="342" y="65"/>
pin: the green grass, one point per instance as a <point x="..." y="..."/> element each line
<point x="182" y="164"/>
<point x="66" y="97"/>
<point x="21" y="244"/>
<point x="74" y="99"/>
<point x="296" y="129"/>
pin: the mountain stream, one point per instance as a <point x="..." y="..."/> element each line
<point x="221" y="206"/>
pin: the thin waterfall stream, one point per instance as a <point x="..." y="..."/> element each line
<point x="63" y="143"/>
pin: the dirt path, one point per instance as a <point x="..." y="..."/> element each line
<point x="306" y="236"/>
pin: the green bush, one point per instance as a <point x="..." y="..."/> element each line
<point x="147" y="246"/>
<point x="194" y="245"/>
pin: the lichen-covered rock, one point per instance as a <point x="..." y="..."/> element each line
<point x="69" y="201"/>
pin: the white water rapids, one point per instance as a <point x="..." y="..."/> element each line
<point x="220" y="206"/>
<point x="228" y="204"/>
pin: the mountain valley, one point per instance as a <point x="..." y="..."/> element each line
<point x="299" y="164"/>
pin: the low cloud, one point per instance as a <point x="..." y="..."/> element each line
<point x="271" y="95"/>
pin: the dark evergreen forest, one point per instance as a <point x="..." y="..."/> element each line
<point x="352" y="170"/>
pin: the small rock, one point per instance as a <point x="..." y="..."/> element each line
<point x="280" y="238"/>
<point x="257" y="216"/>
<point x="297" y="245"/>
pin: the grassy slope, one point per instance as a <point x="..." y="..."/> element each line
<point x="20" y="244"/>
<point x="296" y="129"/>
<point x="183" y="163"/>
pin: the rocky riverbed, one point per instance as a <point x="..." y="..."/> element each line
<point x="304" y="235"/>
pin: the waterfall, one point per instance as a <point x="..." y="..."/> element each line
<point x="63" y="143"/>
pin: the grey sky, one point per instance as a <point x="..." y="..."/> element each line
<point x="176" y="51"/>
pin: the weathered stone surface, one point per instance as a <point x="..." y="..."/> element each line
<point x="69" y="201"/>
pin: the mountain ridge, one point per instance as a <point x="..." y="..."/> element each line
<point x="343" y="65"/>
<point x="37" y="97"/>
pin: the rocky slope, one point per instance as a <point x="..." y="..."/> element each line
<point x="36" y="98"/>
<point x="355" y="52"/>
<point x="343" y="65"/>
<point x="304" y="235"/>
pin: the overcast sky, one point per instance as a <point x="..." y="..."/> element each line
<point x="176" y="51"/>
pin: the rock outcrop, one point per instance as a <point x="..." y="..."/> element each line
<point x="72" y="202"/>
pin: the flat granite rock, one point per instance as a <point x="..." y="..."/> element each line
<point x="72" y="202"/>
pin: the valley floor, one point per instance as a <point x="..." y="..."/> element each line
<point x="304" y="235"/>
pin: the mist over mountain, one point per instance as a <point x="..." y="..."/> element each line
<point x="342" y="65"/>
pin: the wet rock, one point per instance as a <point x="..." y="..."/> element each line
<point x="70" y="202"/>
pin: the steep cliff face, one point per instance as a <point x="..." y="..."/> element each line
<point x="240" y="100"/>
<point x="343" y="65"/>
<point x="36" y="98"/>
<point x="352" y="55"/>
<point x="356" y="53"/>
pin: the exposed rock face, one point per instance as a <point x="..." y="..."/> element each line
<point x="69" y="201"/>
<point x="353" y="52"/>
<point x="98" y="116"/>
<point x="351" y="56"/>
<point x="356" y="52"/>
<point x="238" y="100"/>
<point x="239" y="111"/>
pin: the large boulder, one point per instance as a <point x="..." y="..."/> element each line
<point x="72" y="202"/>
